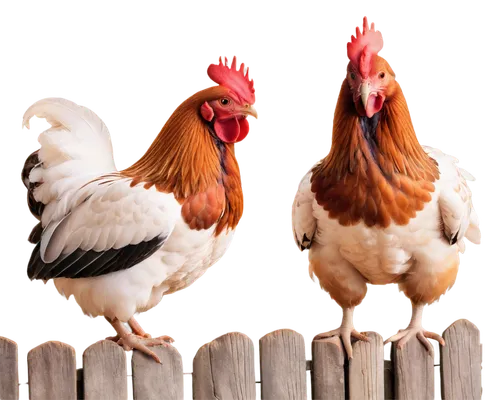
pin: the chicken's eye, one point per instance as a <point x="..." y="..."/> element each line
<point x="381" y="75"/>
<point x="225" y="101"/>
<point x="353" y="75"/>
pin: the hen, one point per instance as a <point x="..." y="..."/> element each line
<point x="118" y="241"/>
<point x="380" y="208"/>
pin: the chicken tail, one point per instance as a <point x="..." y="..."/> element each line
<point x="76" y="132"/>
<point x="75" y="149"/>
<point x="34" y="207"/>
<point x="474" y="234"/>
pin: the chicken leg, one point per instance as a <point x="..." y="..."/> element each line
<point x="138" y="339"/>
<point x="345" y="331"/>
<point x="347" y="287"/>
<point x="415" y="329"/>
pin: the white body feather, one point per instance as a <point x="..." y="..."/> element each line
<point x="185" y="257"/>
<point x="381" y="254"/>
<point x="91" y="207"/>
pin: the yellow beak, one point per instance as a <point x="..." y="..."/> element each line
<point x="250" y="110"/>
<point x="365" y="92"/>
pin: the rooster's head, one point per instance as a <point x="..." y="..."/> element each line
<point x="370" y="77"/>
<point x="230" y="103"/>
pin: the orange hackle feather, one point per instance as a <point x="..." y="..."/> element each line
<point x="185" y="160"/>
<point x="377" y="186"/>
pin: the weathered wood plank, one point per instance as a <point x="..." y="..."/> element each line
<point x="413" y="371"/>
<point x="388" y="381"/>
<point x="327" y="374"/>
<point x="366" y="369"/>
<point x="9" y="378"/>
<point x="224" y="369"/>
<point x="283" y="366"/>
<point x="461" y="362"/>
<point x="105" y="372"/>
<point x="153" y="381"/>
<point x="52" y="372"/>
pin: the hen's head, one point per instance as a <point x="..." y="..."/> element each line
<point x="370" y="78"/>
<point x="230" y="103"/>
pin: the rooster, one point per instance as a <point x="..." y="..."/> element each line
<point x="118" y="241"/>
<point x="380" y="208"/>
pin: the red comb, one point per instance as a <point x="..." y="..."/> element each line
<point x="362" y="47"/>
<point x="236" y="80"/>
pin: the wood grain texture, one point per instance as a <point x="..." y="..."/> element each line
<point x="52" y="372"/>
<point x="153" y="381"/>
<point x="366" y="369"/>
<point x="224" y="369"/>
<point x="327" y="374"/>
<point x="105" y="372"/>
<point x="283" y="366"/>
<point x="9" y="378"/>
<point x="461" y="362"/>
<point x="413" y="371"/>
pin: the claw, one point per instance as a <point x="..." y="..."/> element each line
<point x="425" y="342"/>
<point x="141" y="343"/>
<point x="360" y="336"/>
<point x="138" y="339"/>
<point x="345" y="334"/>
<point x="166" y="338"/>
<point x="348" y="345"/>
<point x="404" y="336"/>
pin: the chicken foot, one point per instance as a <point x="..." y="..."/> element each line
<point x="138" y="339"/>
<point x="415" y="329"/>
<point x="345" y="331"/>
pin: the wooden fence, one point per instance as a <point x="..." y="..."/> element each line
<point x="224" y="369"/>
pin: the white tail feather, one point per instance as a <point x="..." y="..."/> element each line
<point x="76" y="148"/>
<point x="76" y="134"/>
<point x="473" y="233"/>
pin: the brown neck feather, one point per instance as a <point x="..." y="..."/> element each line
<point x="386" y="177"/>
<point x="187" y="159"/>
<point x="183" y="158"/>
<point x="234" y="195"/>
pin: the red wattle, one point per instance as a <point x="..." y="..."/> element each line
<point x="231" y="130"/>
<point x="373" y="105"/>
<point x="227" y="130"/>
<point x="244" y="129"/>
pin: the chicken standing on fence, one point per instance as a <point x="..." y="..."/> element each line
<point x="380" y="208"/>
<point x="120" y="240"/>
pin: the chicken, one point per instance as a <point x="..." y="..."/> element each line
<point x="118" y="241"/>
<point x="380" y="208"/>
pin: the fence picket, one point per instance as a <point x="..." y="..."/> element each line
<point x="224" y="369"/>
<point x="105" y="372"/>
<point x="52" y="372"/>
<point x="153" y="381"/>
<point x="283" y="366"/>
<point x="9" y="379"/>
<point x="461" y="362"/>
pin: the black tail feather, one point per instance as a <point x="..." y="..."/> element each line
<point x="34" y="207"/>
<point x="36" y="234"/>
